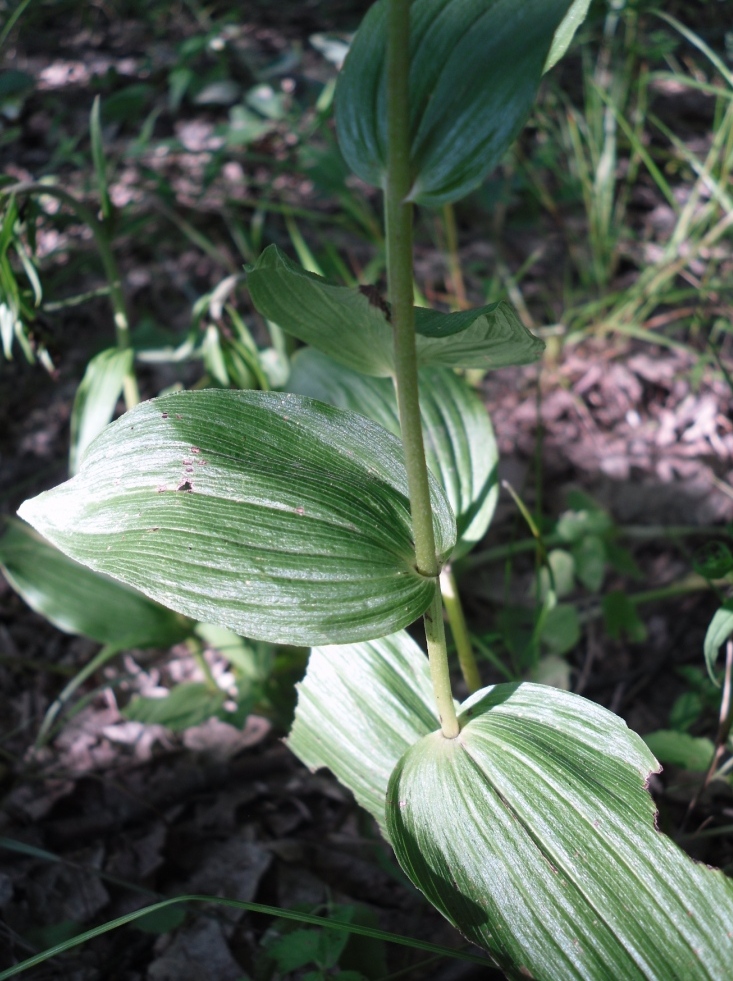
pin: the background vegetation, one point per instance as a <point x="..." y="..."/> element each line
<point x="149" y="152"/>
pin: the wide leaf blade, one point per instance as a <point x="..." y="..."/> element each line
<point x="281" y="518"/>
<point x="339" y="321"/>
<point x="487" y="338"/>
<point x="460" y="447"/>
<point x="533" y="832"/>
<point x="351" y="325"/>
<point x="79" y="601"/>
<point x="360" y="707"/>
<point x="475" y="67"/>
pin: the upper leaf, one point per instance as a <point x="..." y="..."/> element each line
<point x="475" y="67"/>
<point x="360" y="707"/>
<point x="534" y="834"/>
<point x="352" y="326"/>
<point x="80" y="601"/>
<point x="459" y="440"/>
<point x="279" y="517"/>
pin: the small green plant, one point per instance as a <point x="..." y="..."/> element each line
<point x="522" y="814"/>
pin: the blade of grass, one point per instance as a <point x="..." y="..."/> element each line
<point x="318" y="921"/>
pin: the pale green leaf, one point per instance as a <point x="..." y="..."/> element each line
<point x="552" y="670"/>
<point x="459" y="440"/>
<point x="720" y="629"/>
<point x="561" y="629"/>
<point x="681" y="749"/>
<point x="558" y="575"/>
<point x="533" y="833"/>
<point x="337" y="320"/>
<point x="184" y="706"/>
<point x="96" y="398"/>
<point x="351" y="325"/>
<point x="278" y="517"/>
<point x="475" y="67"/>
<point x="566" y="31"/>
<point x="80" y="601"/>
<point x="590" y="562"/>
<point x="360" y="707"/>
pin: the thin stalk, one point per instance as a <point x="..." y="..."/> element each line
<point x="398" y="224"/>
<point x="457" y="621"/>
<point x="111" y="270"/>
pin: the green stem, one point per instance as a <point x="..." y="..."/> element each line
<point x="457" y="621"/>
<point x="111" y="270"/>
<point x="398" y="222"/>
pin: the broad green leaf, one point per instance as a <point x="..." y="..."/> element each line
<point x="96" y="398"/>
<point x="475" y="67"/>
<point x="351" y="325"/>
<point x="681" y="749"/>
<point x="720" y="629"/>
<point x="566" y="31"/>
<point x="459" y="440"/>
<point x="278" y="517"/>
<point x="360" y="707"/>
<point x="533" y="833"/>
<point x="185" y="706"/>
<point x="80" y="601"/>
<point x="486" y="338"/>
<point x="338" y="320"/>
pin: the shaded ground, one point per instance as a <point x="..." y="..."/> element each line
<point x="114" y="813"/>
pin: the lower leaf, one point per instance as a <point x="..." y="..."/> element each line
<point x="534" y="834"/>
<point x="360" y="707"/>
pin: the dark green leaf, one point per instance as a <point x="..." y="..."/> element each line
<point x="621" y="617"/>
<point x="720" y="629"/>
<point x="281" y="518"/>
<point x="96" y="398"/>
<point x="474" y="73"/>
<point x="352" y="326"/>
<point x="713" y="560"/>
<point x="80" y="601"/>
<point x="486" y="338"/>
<point x="533" y="833"/>
<point x="459" y="440"/>
<point x="184" y="706"/>
<point x="360" y="708"/>
<point x="680" y="749"/>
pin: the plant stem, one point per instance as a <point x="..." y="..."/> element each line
<point x="398" y="223"/>
<point x="111" y="270"/>
<point x="457" y="621"/>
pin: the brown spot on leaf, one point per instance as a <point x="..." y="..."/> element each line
<point x="300" y="510"/>
<point x="376" y="300"/>
<point x="164" y="415"/>
<point x="195" y="449"/>
<point x="185" y="485"/>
